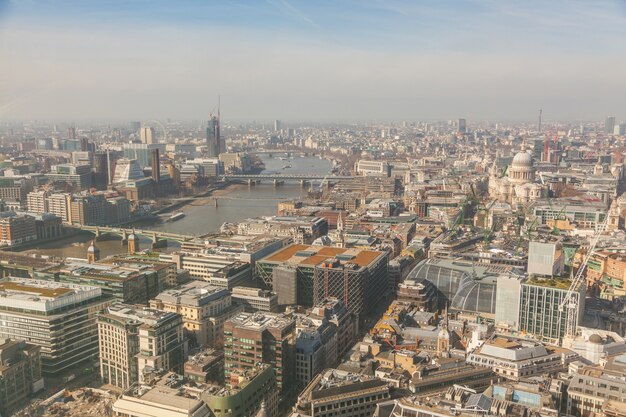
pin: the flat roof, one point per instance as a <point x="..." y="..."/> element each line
<point x="49" y="292"/>
<point x="317" y="254"/>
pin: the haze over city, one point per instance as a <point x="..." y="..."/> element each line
<point x="312" y="61"/>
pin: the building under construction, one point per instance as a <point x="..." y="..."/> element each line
<point x="307" y="275"/>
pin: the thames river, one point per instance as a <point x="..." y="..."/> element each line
<point x="235" y="203"/>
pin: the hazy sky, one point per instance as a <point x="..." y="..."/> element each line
<point x="312" y="60"/>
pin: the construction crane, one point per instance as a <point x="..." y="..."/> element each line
<point x="570" y="302"/>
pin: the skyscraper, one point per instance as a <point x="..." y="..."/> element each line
<point x="609" y="124"/>
<point x="277" y="126"/>
<point x="156" y="165"/>
<point x="462" y="126"/>
<point x="213" y="137"/>
<point x="148" y="135"/>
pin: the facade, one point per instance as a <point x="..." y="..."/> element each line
<point x="213" y="139"/>
<point x="126" y="283"/>
<point x="519" y="187"/>
<point x="335" y="392"/>
<point x="372" y="168"/>
<point x="223" y="270"/>
<point x="540" y="312"/>
<point x="127" y="170"/>
<point x="20" y="373"/>
<point x="58" y="317"/>
<point x="255" y="299"/>
<point x="301" y="229"/>
<point x="545" y="258"/>
<point x="203" y="307"/>
<point x="261" y="337"/>
<point x="134" y="341"/>
<point x="516" y="359"/>
<point x="16" y="229"/>
<point x="594" y="390"/>
<point x="205" y="366"/>
<point x="247" y="392"/>
<point x="77" y="175"/>
<point x="147" y="135"/>
<point x="307" y="275"/>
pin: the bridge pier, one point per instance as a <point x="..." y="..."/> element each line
<point x="124" y="237"/>
<point x="97" y="235"/>
<point x="158" y="243"/>
<point x="303" y="183"/>
<point x="250" y="182"/>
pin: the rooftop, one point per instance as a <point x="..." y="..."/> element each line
<point x="312" y="255"/>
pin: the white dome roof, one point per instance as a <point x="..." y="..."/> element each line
<point x="523" y="159"/>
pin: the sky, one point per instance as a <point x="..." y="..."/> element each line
<point x="309" y="60"/>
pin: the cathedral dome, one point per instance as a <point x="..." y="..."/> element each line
<point x="523" y="160"/>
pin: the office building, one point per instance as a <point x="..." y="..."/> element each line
<point x="248" y="392"/>
<point x="517" y="359"/>
<point x="277" y="126"/>
<point x="334" y="392"/>
<point x="598" y="390"/>
<point x="13" y="191"/>
<point x="220" y="269"/>
<point x="372" y="168"/>
<point x="620" y="129"/>
<point x="307" y="275"/>
<point x="213" y="139"/>
<point x="302" y="229"/>
<point x="58" y="317"/>
<point x="77" y="175"/>
<point x="127" y="170"/>
<point x="16" y="229"/>
<point x="462" y="126"/>
<point x="206" y="366"/>
<point x="164" y="396"/>
<point x="20" y="373"/>
<point x="270" y="338"/>
<point x="204" y="309"/>
<point x="209" y="167"/>
<point x="316" y="347"/>
<point x="128" y="283"/>
<point x="59" y="205"/>
<point x="135" y="341"/>
<point x="147" y="135"/>
<point x="540" y="311"/>
<point x="255" y="299"/>
<point x="609" y="124"/>
<point x="142" y="152"/>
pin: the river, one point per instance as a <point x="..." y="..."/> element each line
<point x="235" y="203"/>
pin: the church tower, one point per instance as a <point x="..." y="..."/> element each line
<point x="93" y="253"/>
<point x="133" y="243"/>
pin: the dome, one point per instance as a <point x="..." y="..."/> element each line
<point x="595" y="339"/>
<point x="523" y="159"/>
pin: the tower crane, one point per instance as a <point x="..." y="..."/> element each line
<point x="570" y="302"/>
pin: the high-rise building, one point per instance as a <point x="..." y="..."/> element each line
<point x="20" y="373"/>
<point x="134" y="341"/>
<point x="261" y="337"/>
<point x="540" y="312"/>
<point x="147" y="135"/>
<point x="462" y="126"/>
<point x="277" y="126"/>
<point x="156" y="165"/>
<point x="620" y="129"/>
<point x="58" y="317"/>
<point x="213" y="139"/>
<point x="609" y="124"/>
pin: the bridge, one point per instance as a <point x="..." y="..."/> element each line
<point x="158" y="238"/>
<point x="287" y="177"/>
